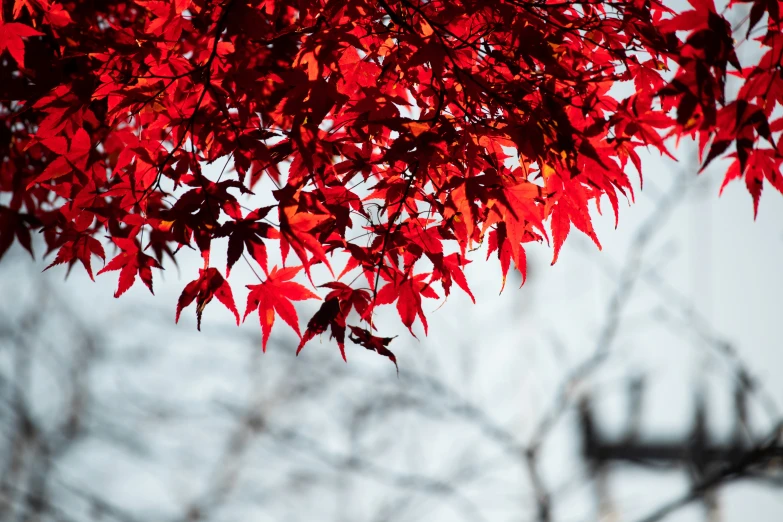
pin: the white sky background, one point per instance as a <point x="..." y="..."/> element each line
<point x="506" y="356"/>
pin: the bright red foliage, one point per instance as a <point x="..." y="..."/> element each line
<point x="399" y="134"/>
<point x="275" y="295"/>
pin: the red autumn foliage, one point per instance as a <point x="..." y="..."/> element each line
<point x="399" y="134"/>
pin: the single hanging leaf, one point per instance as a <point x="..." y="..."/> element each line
<point x="328" y="316"/>
<point x="274" y="296"/>
<point x="82" y="249"/>
<point x="131" y="262"/>
<point x="209" y="284"/>
<point x="364" y="338"/>
<point x="247" y="234"/>
<point x="407" y="291"/>
<point x="11" y="35"/>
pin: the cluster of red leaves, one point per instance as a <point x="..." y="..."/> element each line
<point x="399" y="134"/>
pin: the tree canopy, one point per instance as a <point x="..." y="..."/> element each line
<point x="396" y="137"/>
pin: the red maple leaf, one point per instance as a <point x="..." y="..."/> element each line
<point x="130" y="262"/>
<point x="274" y="296"/>
<point x="247" y="233"/>
<point x="209" y="284"/>
<point x="407" y="291"/>
<point x="81" y="248"/>
<point x="298" y="229"/>
<point x="11" y="35"/>
<point x="72" y="157"/>
<point x="14" y="223"/>
<point x="364" y="338"/>
<point x="334" y="313"/>
<point x="328" y="316"/>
